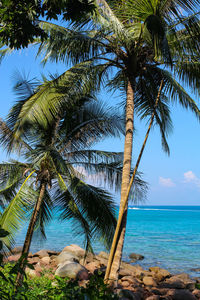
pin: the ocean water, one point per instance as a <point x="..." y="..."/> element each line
<point x="167" y="236"/>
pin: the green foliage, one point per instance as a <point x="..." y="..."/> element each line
<point x="44" y="288"/>
<point x="197" y="286"/>
<point x="20" y="19"/>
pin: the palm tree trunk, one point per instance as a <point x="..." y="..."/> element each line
<point x="29" y="235"/>
<point x="112" y="274"/>
<point x="120" y="224"/>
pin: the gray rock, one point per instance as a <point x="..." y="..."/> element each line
<point x="66" y="257"/>
<point x="75" y="250"/>
<point x="71" y="270"/>
<point x="135" y="256"/>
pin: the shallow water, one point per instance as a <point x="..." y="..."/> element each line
<point x="168" y="236"/>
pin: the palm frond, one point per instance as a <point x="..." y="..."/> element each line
<point x="66" y="203"/>
<point x="89" y="198"/>
<point x="15" y="214"/>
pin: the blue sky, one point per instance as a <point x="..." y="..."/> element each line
<point x="173" y="180"/>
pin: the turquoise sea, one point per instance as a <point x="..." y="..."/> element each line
<point x="168" y="236"/>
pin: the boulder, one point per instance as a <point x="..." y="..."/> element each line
<point x="75" y="250"/>
<point x="181" y="281"/>
<point x="65" y="256"/>
<point x="45" y="260"/>
<point x="178" y="294"/>
<point x="149" y="281"/>
<point x="87" y="259"/>
<point x="92" y="266"/>
<point x="182" y="276"/>
<point x="71" y="270"/>
<point x="135" y="256"/>
<point x="123" y="272"/>
<point x="41" y="253"/>
<point x="135" y="270"/>
<point x="159" y="274"/>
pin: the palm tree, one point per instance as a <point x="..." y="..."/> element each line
<point x="54" y="159"/>
<point x="144" y="42"/>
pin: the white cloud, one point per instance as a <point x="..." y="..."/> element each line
<point x="167" y="182"/>
<point x="191" y="177"/>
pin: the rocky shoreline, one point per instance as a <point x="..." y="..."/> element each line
<point x="134" y="282"/>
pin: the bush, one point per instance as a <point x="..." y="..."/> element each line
<point x="57" y="289"/>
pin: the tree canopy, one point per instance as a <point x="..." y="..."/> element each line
<point x="20" y="19"/>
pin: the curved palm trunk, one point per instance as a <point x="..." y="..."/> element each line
<point x="29" y="235"/>
<point x="123" y="207"/>
<point x="113" y="273"/>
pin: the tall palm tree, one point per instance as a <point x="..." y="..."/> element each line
<point x="144" y="42"/>
<point x="55" y="157"/>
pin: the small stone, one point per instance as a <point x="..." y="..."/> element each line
<point x="149" y="281"/>
<point x="135" y="256"/>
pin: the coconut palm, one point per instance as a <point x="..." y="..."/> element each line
<point x="52" y="174"/>
<point x="144" y="42"/>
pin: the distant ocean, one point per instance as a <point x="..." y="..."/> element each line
<point x="167" y="236"/>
